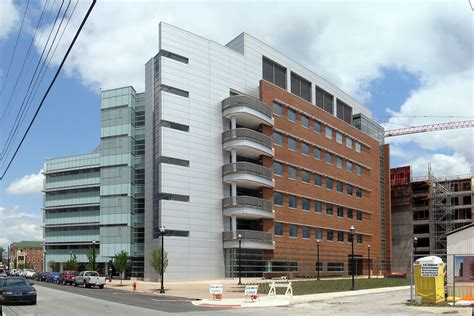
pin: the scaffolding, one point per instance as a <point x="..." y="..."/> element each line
<point x="441" y="213"/>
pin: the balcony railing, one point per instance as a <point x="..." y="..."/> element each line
<point x="243" y="100"/>
<point x="249" y="235"/>
<point x="247" y="167"/>
<point x="247" y="201"/>
<point x="247" y="134"/>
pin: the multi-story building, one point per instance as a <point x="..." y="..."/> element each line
<point x="26" y="254"/>
<point x="96" y="199"/>
<point x="426" y="208"/>
<point x="242" y="143"/>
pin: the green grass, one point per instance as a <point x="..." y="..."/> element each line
<point x="328" y="285"/>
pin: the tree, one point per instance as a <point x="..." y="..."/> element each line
<point x="155" y="261"/>
<point x="122" y="263"/>
<point x="92" y="259"/>
<point x="2" y="250"/>
<point x="52" y="265"/>
<point x="15" y="263"/>
<point x="72" y="264"/>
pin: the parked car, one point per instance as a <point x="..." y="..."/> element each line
<point x="67" y="277"/>
<point x="43" y="276"/>
<point x="3" y="273"/>
<point x="29" y="273"/>
<point x="53" y="277"/>
<point x="16" y="289"/>
<point x="89" y="278"/>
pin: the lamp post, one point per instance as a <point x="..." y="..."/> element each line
<point x="239" y="237"/>
<point x="93" y="255"/>
<point x="415" y="242"/>
<point x="352" y="230"/>
<point x="162" y="234"/>
<point x="317" y="263"/>
<point x="412" y="259"/>
<point x="70" y="255"/>
<point x="368" y="251"/>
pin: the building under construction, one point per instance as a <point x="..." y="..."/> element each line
<point x="426" y="208"/>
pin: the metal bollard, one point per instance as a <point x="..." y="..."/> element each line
<point x="134" y="286"/>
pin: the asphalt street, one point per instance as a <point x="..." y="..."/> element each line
<point x="68" y="300"/>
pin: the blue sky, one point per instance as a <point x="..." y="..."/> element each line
<point x="413" y="62"/>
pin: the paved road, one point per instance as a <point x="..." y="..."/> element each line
<point x="67" y="300"/>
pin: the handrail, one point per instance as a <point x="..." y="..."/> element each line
<point x="243" y="100"/>
<point x="249" y="235"/>
<point x="246" y="133"/>
<point x="247" y="167"/>
<point x="248" y="201"/>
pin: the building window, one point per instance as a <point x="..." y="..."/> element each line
<point x="317" y="153"/>
<point x="357" y="147"/>
<point x="329" y="183"/>
<point x="291" y="172"/>
<point x="176" y="91"/>
<point x="278" y="169"/>
<point x="317" y="127"/>
<point x="324" y="100"/>
<point x="359" y="215"/>
<point x="348" y="142"/>
<point x="274" y="73"/>
<point x="349" y="213"/>
<point x="174" y="56"/>
<point x="318" y="233"/>
<point x="305" y="204"/>
<point x="330" y="235"/>
<point x="301" y="87"/>
<point x="338" y="138"/>
<point x="340" y="211"/>
<point x="358" y="192"/>
<point x="292" y="143"/>
<point x="344" y="112"/>
<point x="329" y="158"/>
<point x="292" y="230"/>
<point x="359" y="238"/>
<point x="339" y="162"/>
<point x="329" y="209"/>
<point x="306" y="232"/>
<point x="349" y="189"/>
<point x="291" y="201"/>
<point x="278" y="198"/>
<point x="305" y="149"/>
<point x="340" y="236"/>
<point x="277" y="139"/>
<point x="328" y="132"/>
<point x="277" y="109"/>
<point x="317" y="179"/>
<point x="291" y="115"/>
<point x="318" y="207"/>
<point x="335" y="266"/>
<point x="339" y="186"/>
<point x="348" y="166"/>
<point x="305" y="121"/>
<point x="305" y="176"/>
<point x="278" y="229"/>
<point x="358" y="170"/>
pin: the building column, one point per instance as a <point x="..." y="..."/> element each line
<point x="233" y="155"/>
<point x="233" y="122"/>
<point x="234" y="227"/>
<point x="61" y="266"/>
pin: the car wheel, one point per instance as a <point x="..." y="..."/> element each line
<point x="75" y="284"/>
<point x="33" y="302"/>
<point x="101" y="286"/>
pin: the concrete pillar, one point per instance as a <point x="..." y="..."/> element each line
<point x="234" y="227"/>
<point x="234" y="190"/>
<point x="61" y="264"/>
<point x="233" y="153"/>
<point x="233" y="122"/>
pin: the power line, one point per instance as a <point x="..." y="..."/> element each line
<point x="14" y="49"/>
<point x="50" y="86"/>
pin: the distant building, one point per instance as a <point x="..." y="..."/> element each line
<point x="27" y="254"/>
<point x="426" y="208"/>
<point x="461" y="246"/>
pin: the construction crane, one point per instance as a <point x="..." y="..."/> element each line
<point x="428" y="128"/>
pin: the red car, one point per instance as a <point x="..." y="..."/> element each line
<point x="67" y="277"/>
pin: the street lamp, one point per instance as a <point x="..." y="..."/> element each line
<point x="317" y="263"/>
<point x="162" y="234"/>
<point x="415" y="242"/>
<point x="93" y="255"/>
<point x="352" y="230"/>
<point x="368" y="251"/>
<point x="239" y="237"/>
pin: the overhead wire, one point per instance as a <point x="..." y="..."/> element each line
<point x="49" y="87"/>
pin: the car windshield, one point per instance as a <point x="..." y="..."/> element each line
<point x="92" y="274"/>
<point x="14" y="282"/>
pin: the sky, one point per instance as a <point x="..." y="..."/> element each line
<point x="404" y="60"/>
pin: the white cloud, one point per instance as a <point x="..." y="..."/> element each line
<point x="441" y="165"/>
<point x="17" y="225"/>
<point x="27" y="185"/>
<point x="8" y="17"/>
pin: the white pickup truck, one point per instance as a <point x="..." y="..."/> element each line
<point x="89" y="278"/>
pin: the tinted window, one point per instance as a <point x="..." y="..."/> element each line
<point x="300" y="87"/>
<point x="328" y="158"/>
<point x="292" y="230"/>
<point x="317" y="127"/>
<point x="305" y="204"/>
<point x="358" y="170"/>
<point x="349" y="189"/>
<point x="274" y="73"/>
<point x="340" y="236"/>
<point x="305" y="149"/>
<point x="318" y="207"/>
<point x="291" y="115"/>
<point x="319" y="233"/>
<point x="349" y="213"/>
<point x="329" y="183"/>
<point x="330" y="235"/>
<point x="291" y="172"/>
<point x="277" y="138"/>
<point x="278" y="168"/>
<point x="358" y="192"/>
<point x="357" y="147"/>
<point x="317" y="179"/>
<point x="328" y="132"/>
<point x="317" y="153"/>
<point x="278" y="229"/>
<point x="348" y="142"/>
<point x="340" y="211"/>
<point x="339" y="162"/>
<point x="344" y="112"/>
<point x="305" y="176"/>
<point x="324" y="100"/>
<point x="277" y="108"/>
<point x="359" y="215"/>
<point x="304" y="121"/>
<point x="291" y="143"/>
<point x="329" y="209"/>
<point x="278" y="198"/>
<point x="339" y="186"/>
<point x="306" y="232"/>
<point x="292" y="201"/>
<point x="338" y="138"/>
<point x="348" y="166"/>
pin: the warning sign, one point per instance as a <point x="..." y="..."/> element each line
<point x="429" y="269"/>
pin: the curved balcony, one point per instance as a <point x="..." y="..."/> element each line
<point x="247" y="142"/>
<point x="248" y="207"/>
<point x="249" y="111"/>
<point x="251" y="239"/>
<point x="247" y="175"/>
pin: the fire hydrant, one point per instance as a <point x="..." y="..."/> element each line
<point x="134" y="286"/>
